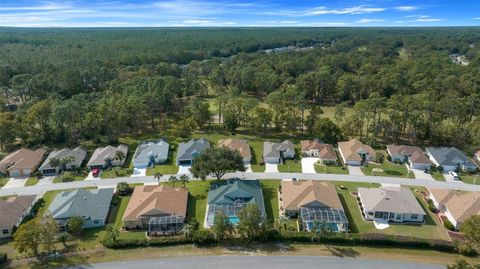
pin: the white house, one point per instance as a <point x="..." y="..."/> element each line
<point x="12" y="212"/>
<point x="450" y="159"/>
<point x="413" y="156"/>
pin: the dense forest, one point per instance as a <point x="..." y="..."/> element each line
<point x="60" y="86"/>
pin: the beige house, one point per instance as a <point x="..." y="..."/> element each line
<point x="106" y="156"/>
<point x="12" y="211"/>
<point x="354" y="152"/>
<point x="240" y="145"/>
<point x="149" y="202"/>
<point x="456" y="205"/>
<point x="413" y="156"/>
<point x="21" y="163"/>
<point x="313" y="148"/>
<point x="314" y="202"/>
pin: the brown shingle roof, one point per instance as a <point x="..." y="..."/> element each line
<point x="156" y="201"/>
<point x="236" y="144"/>
<point x="325" y="151"/>
<point x="296" y="194"/>
<point x="350" y="149"/>
<point x="461" y="205"/>
<point x="22" y="159"/>
<point x="12" y="209"/>
<point x="415" y="154"/>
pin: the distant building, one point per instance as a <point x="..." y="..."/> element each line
<point x="275" y="153"/>
<point x="107" y="156"/>
<point x="354" y="152"/>
<point x="77" y="156"/>
<point x="313" y="148"/>
<point x="187" y="152"/>
<point x="21" y="163"/>
<point x="12" y="212"/>
<point x="236" y="144"/>
<point x="413" y="156"/>
<point x="392" y="204"/>
<point x="91" y="205"/>
<point x="150" y="153"/>
<point x="450" y="159"/>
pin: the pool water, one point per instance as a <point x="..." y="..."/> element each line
<point x="233" y="220"/>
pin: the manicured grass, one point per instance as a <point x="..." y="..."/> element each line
<point x="290" y="166"/>
<point x="470" y="178"/>
<point x="67" y="176"/>
<point x="331" y="169"/>
<point x="197" y="200"/>
<point x="31" y="181"/>
<point x="430" y="230"/>
<point x="270" y="198"/>
<point x="389" y="169"/>
<point x="168" y="168"/>
<point x="117" y="215"/>
<point x="112" y="173"/>
<point x="3" y="181"/>
<point x="438" y="176"/>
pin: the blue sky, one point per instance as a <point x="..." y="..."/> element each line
<point x="237" y="13"/>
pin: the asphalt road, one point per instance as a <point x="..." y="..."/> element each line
<point x="260" y="262"/>
<point x="40" y="189"/>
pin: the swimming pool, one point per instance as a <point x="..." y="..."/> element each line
<point x="233" y="220"/>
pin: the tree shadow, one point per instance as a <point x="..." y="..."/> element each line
<point x="393" y="173"/>
<point x="343" y="252"/>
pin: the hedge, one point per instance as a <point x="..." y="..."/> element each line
<point x="3" y="257"/>
<point x="204" y="237"/>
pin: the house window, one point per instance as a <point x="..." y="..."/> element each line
<point x="398" y="216"/>
<point x="370" y="213"/>
<point x="414" y="216"/>
<point x="5" y="231"/>
<point x="392" y="215"/>
<point x="95" y="222"/>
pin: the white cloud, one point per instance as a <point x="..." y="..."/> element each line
<point x="369" y="20"/>
<point x="417" y="16"/>
<point x="406" y="8"/>
<point x="477" y="18"/>
<point x="350" y="10"/>
<point x="429" y="20"/>
<point x="289" y="22"/>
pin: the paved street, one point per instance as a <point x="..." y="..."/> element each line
<point x="261" y="262"/>
<point x="38" y="189"/>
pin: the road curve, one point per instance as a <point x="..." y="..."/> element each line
<point x="40" y="189"/>
<point x="260" y="262"/>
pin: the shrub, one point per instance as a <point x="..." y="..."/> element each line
<point x="379" y="158"/>
<point x="448" y="225"/>
<point x="431" y="206"/>
<point x="466" y="250"/>
<point x="3" y="257"/>
<point x="203" y="237"/>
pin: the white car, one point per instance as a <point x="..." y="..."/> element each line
<point x="453" y="175"/>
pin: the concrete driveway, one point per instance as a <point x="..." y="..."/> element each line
<point x="91" y="177"/>
<point x="249" y="168"/>
<point x="139" y="172"/>
<point x="15" y="183"/>
<point x="420" y="174"/>
<point x="46" y="180"/>
<point x="271" y="168"/>
<point x="308" y="164"/>
<point x="355" y="170"/>
<point x="184" y="169"/>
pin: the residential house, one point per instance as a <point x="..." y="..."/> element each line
<point x="477" y="156"/>
<point x="354" y="152"/>
<point x="91" y="205"/>
<point x="187" y="152"/>
<point x="236" y="144"/>
<point x="21" y="163"/>
<point x="315" y="202"/>
<point x="275" y="153"/>
<point x="107" y="156"/>
<point x="12" y="212"/>
<point x="230" y="196"/>
<point x="74" y="156"/>
<point x="313" y="148"/>
<point x="450" y="159"/>
<point x="413" y="156"/>
<point x="156" y="209"/>
<point x="392" y="204"/>
<point x="149" y="153"/>
<point x="456" y="205"/>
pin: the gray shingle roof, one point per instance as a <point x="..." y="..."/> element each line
<point x="187" y="151"/>
<point x="153" y="149"/>
<point x="12" y="209"/>
<point x="390" y="199"/>
<point x="229" y="191"/>
<point x="272" y="149"/>
<point x="78" y="154"/>
<point x="89" y="204"/>
<point x="100" y="155"/>
<point x="449" y="156"/>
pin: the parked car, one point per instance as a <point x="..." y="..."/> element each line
<point x="453" y="175"/>
<point x="96" y="172"/>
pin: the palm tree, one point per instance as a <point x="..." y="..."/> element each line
<point x="173" y="179"/>
<point x="119" y="155"/>
<point x="158" y="176"/>
<point x="187" y="230"/>
<point x="283" y="221"/>
<point x="54" y="163"/>
<point x="66" y="161"/>
<point x="184" y="179"/>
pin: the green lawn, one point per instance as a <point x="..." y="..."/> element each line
<point x="113" y="172"/>
<point x="331" y="169"/>
<point x="69" y="176"/>
<point x="170" y="167"/>
<point x="270" y="198"/>
<point x="430" y="230"/>
<point x="290" y="166"/>
<point x="3" y="181"/>
<point x="389" y="169"/>
<point x="197" y="200"/>
<point x="470" y="178"/>
<point x="116" y="216"/>
<point x="31" y="181"/>
<point x="438" y="176"/>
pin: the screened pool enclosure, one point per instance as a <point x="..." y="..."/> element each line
<point x="167" y="225"/>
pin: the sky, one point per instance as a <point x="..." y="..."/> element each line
<point x="238" y="13"/>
